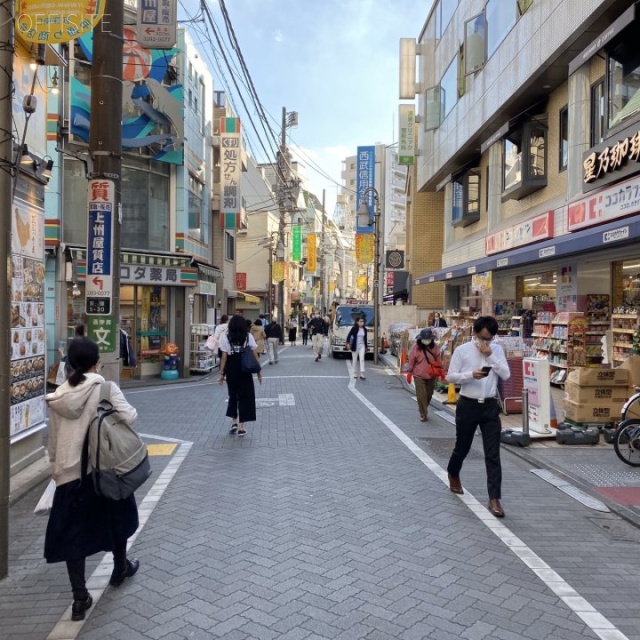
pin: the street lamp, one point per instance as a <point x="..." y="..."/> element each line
<point x="366" y="220"/>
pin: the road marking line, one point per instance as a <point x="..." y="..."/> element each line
<point x="65" y="628"/>
<point x="600" y="625"/>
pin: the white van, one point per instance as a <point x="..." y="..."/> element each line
<point x="343" y="319"/>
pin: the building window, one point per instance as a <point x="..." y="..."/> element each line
<point x="196" y="190"/>
<point x="597" y="113"/>
<point x="466" y="199"/>
<point x="475" y="38"/>
<point x="525" y="160"/>
<point x="624" y="76"/>
<point x="563" y="150"/>
<point x="449" y="88"/>
<point x="500" y="20"/>
<point x="432" y="108"/>
<point x="229" y="246"/>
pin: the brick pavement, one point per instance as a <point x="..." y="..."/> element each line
<point x="321" y="523"/>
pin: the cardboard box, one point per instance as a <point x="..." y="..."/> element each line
<point x="591" y="411"/>
<point x="632" y="365"/>
<point x="594" y="376"/>
<point x="601" y="394"/>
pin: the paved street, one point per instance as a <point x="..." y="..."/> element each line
<point x="332" y="519"/>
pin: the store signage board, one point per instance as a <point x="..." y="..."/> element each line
<point x="365" y="179"/>
<point x="103" y="332"/>
<point x="157" y="24"/>
<point x="241" y="280"/>
<point x="406" y="144"/>
<point x="99" y="280"/>
<point x="535" y="379"/>
<point x="621" y="199"/>
<point x="535" y="229"/>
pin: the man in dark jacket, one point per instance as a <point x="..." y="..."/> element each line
<point x="274" y="337"/>
<point x="318" y="329"/>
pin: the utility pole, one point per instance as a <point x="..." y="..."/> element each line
<point x="6" y="169"/>
<point x="323" y="306"/>
<point x="282" y="176"/>
<point x="105" y="149"/>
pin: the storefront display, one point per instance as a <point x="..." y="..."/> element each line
<point x="201" y="359"/>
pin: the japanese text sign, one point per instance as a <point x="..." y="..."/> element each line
<point x="157" y="23"/>
<point x="230" y="164"/>
<point x="311" y="252"/>
<point x="365" y="183"/>
<point x="296" y="251"/>
<point x="406" y="144"/>
<point x="99" y="282"/>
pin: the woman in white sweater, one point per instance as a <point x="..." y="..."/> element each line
<point x="81" y="523"/>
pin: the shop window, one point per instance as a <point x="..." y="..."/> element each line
<point x="597" y="113"/>
<point x="524" y="161"/>
<point x="466" y="199"/>
<point x="229" y="246"/>
<point x="624" y="76"/>
<point x="563" y="151"/>
<point x="500" y="20"/>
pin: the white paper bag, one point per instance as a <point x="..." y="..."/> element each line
<point x="46" y="501"/>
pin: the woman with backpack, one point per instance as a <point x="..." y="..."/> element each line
<point x="241" y="407"/>
<point x="82" y="523"/>
<point x="424" y="358"/>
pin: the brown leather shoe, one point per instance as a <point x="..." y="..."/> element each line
<point x="455" y="485"/>
<point x="496" y="508"/>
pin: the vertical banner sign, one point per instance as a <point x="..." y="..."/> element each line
<point x="535" y="379"/>
<point x="277" y="271"/>
<point x="311" y="252"/>
<point x="365" y="248"/>
<point x="49" y="22"/>
<point x="241" y="280"/>
<point x="296" y="251"/>
<point x="157" y="23"/>
<point x="230" y="172"/>
<point x="406" y="144"/>
<point x="365" y="178"/>
<point x="99" y="282"/>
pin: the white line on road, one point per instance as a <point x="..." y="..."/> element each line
<point x="594" y="620"/>
<point x="97" y="583"/>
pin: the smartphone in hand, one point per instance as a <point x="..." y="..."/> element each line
<point x="486" y="370"/>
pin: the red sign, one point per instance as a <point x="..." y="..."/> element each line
<point x="241" y="281"/>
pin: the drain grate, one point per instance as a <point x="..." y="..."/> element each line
<point x="619" y="530"/>
<point x="442" y="448"/>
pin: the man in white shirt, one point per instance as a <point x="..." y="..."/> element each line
<point x="476" y="366"/>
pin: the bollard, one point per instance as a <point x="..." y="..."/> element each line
<point x="520" y="438"/>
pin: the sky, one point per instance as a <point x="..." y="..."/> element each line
<point x="335" y="62"/>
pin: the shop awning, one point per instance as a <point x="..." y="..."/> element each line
<point x="248" y="297"/>
<point x="613" y="234"/>
<point x="130" y="257"/>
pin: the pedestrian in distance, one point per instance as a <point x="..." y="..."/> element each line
<point x="304" y="326"/>
<point x="293" y="330"/>
<point x="221" y="327"/>
<point x="357" y="343"/>
<point x="424" y="354"/>
<point x="81" y="523"/>
<point x="477" y="366"/>
<point x="439" y="321"/>
<point x="273" y="332"/>
<point x="241" y="407"/>
<point x="259" y="336"/>
<point x="318" y="329"/>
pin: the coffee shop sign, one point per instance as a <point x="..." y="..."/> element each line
<point x="599" y="163"/>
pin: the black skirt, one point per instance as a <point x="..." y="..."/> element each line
<point x="82" y="523"/>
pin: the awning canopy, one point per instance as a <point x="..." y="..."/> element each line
<point x="131" y="257"/>
<point x="248" y="297"/>
<point x="613" y="234"/>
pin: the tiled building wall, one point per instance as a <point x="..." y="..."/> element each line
<point x="424" y="244"/>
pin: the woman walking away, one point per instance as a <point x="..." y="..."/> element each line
<point x="82" y="523"/>
<point x="424" y="353"/>
<point x="242" y="395"/>
<point x="293" y="330"/>
<point x="259" y="336"/>
<point x="357" y="342"/>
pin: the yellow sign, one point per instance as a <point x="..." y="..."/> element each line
<point x="55" y="21"/>
<point x="362" y="283"/>
<point x="311" y="252"/>
<point x="365" y="246"/>
<point x="277" y="272"/>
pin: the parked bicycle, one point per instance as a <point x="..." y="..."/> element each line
<point x="626" y="440"/>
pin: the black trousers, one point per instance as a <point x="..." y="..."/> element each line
<point x="486" y="415"/>
<point x="76" y="568"/>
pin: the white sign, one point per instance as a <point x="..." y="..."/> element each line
<point x="157" y="21"/>
<point x="621" y="233"/>
<point x="535" y="379"/>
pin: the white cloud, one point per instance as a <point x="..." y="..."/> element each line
<point x="277" y="36"/>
